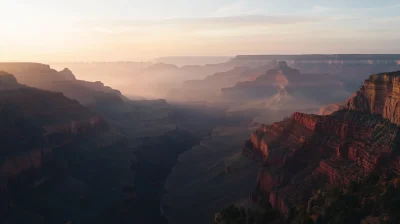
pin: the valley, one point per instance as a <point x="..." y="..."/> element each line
<point x="80" y="151"/>
<point x="199" y="112"/>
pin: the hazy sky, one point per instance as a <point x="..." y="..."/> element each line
<point x="110" y="30"/>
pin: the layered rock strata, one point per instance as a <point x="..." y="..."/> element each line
<point x="380" y="95"/>
<point x="33" y="123"/>
<point x="304" y="152"/>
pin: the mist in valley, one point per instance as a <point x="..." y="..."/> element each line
<point x="172" y="140"/>
<point x="197" y="112"/>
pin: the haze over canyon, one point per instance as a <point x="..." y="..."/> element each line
<point x="200" y="112"/>
<point x="108" y="156"/>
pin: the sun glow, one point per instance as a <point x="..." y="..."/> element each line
<point x="48" y="31"/>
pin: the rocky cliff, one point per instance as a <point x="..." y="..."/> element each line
<point x="87" y="93"/>
<point x="337" y="167"/>
<point x="34" y="123"/>
<point x="305" y="152"/>
<point x="43" y="77"/>
<point x="61" y="161"/>
<point x="379" y="95"/>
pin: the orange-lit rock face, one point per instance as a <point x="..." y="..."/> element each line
<point x="302" y="153"/>
<point x="379" y="95"/>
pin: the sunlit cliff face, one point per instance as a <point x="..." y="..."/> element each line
<point x="102" y="30"/>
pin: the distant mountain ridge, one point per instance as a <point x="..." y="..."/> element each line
<point x="43" y="77"/>
<point x="192" y="60"/>
<point x="323" y="57"/>
<point x="317" y="88"/>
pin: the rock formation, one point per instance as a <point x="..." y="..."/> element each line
<point x="305" y="153"/>
<point x="67" y="74"/>
<point x="285" y="88"/>
<point x="210" y="87"/>
<point x="104" y="162"/>
<point x="379" y="95"/>
<point x="87" y="93"/>
<point x="43" y="77"/>
<point x="34" y="123"/>
<point x="35" y="73"/>
<point x="349" y="68"/>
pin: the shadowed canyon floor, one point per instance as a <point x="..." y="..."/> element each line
<point x="209" y="176"/>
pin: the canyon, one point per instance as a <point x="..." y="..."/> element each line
<point x="82" y="152"/>
<point x="269" y="77"/>
<point x="219" y="175"/>
<point x="35" y="124"/>
<point x="108" y="155"/>
<point x="99" y="155"/>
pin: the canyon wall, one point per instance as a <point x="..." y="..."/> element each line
<point x="35" y="73"/>
<point x="379" y="95"/>
<point x="43" y="77"/>
<point x="34" y="123"/>
<point x="304" y="152"/>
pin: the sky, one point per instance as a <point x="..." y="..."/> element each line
<point x="140" y="30"/>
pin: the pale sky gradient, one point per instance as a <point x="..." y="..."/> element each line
<point x="105" y="30"/>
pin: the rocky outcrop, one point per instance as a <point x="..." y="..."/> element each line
<point x="302" y="153"/>
<point x="67" y="74"/>
<point x="379" y="95"/>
